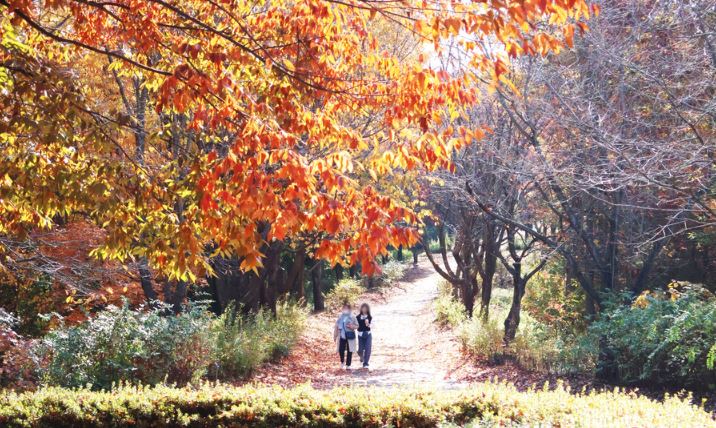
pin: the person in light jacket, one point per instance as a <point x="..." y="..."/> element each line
<point x="344" y="334"/>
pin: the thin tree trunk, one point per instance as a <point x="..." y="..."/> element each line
<point x="468" y="295"/>
<point x="512" y="322"/>
<point x="317" y="284"/>
<point x="339" y="271"/>
<point x="487" y="277"/>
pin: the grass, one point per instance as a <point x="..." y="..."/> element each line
<point x="208" y="405"/>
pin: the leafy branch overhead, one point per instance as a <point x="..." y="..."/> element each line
<point x="187" y="129"/>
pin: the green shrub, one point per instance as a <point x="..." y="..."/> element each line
<point x="537" y="345"/>
<point x="407" y="255"/>
<point x="242" y="342"/>
<point x="542" y="348"/>
<point x="392" y="272"/>
<point x="487" y="404"/>
<point x="661" y="339"/>
<point x="448" y="311"/>
<point x="120" y="344"/>
<point x="554" y="303"/>
<point x="149" y="347"/>
<point x="348" y="290"/>
<point x="482" y="338"/>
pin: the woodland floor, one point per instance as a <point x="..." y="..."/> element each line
<point x="408" y="349"/>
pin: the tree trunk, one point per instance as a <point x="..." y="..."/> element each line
<point x="145" y="279"/>
<point x="296" y="276"/>
<point x="231" y="285"/>
<point x="270" y="276"/>
<point x="468" y="296"/>
<point x="353" y="271"/>
<point x="400" y="253"/>
<point x="317" y="284"/>
<point x="180" y="292"/>
<point x="370" y="282"/>
<point x="512" y="322"/>
<point x="491" y="247"/>
<point x="487" y="280"/>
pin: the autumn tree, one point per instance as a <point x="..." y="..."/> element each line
<point x="252" y="143"/>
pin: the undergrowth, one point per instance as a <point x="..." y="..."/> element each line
<point x="151" y="346"/>
<point x="349" y="290"/>
<point x="488" y="404"/>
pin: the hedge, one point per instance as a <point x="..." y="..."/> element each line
<point x="266" y="406"/>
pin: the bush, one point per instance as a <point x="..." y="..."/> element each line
<point x="554" y="303"/>
<point x="448" y="311"/>
<point x="149" y="347"/>
<point x="18" y="361"/>
<point x="542" y="348"/>
<point x="120" y="344"/>
<point x="483" y="338"/>
<point x="663" y="338"/>
<point x="537" y="346"/>
<point x="348" y="290"/>
<point x="488" y="404"/>
<point x="243" y="342"/>
<point x="392" y="272"/>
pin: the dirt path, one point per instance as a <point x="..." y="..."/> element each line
<point x="407" y="349"/>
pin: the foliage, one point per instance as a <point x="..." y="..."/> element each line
<point x="663" y="338"/>
<point x="18" y="361"/>
<point x="391" y="272"/>
<point x="552" y="302"/>
<point x="448" y="311"/>
<point x="260" y="406"/>
<point x="124" y="345"/>
<point x="27" y="298"/>
<point x="483" y="338"/>
<point x="347" y="290"/>
<point x="210" y="135"/>
<point x="243" y="341"/>
<point x="541" y="347"/>
<point x="120" y="344"/>
<point x="537" y="345"/>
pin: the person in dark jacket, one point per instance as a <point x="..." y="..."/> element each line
<point x="365" y="337"/>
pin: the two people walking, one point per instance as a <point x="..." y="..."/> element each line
<point x="350" y="329"/>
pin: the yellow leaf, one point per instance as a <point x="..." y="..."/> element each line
<point x="289" y="65"/>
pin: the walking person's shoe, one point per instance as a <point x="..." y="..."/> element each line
<point x="343" y="366"/>
<point x="365" y="366"/>
<point x="348" y="368"/>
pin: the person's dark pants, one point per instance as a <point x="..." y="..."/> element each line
<point x="365" y="346"/>
<point x="345" y="353"/>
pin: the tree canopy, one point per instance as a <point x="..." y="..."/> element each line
<point x="187" y="129"/>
